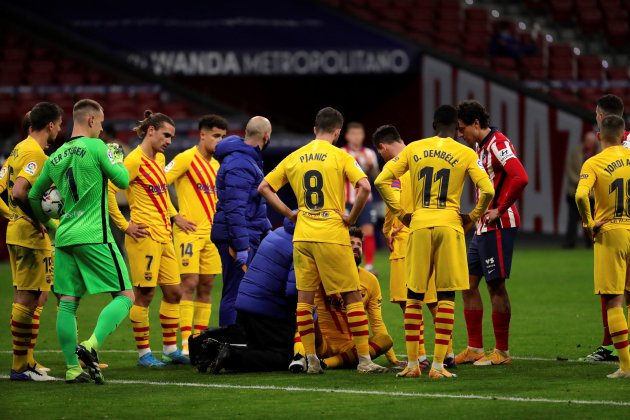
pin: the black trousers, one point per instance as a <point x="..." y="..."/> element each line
<point x="269" y="344"/>
<point x="570" y="237"/>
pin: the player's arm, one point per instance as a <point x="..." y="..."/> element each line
<point x="291" y="289"/>
<point x="135" y="231"/>
<point x="375" y="318"/>
<point x="176" y="168"/>
<point x="24" y="181"/>
<point x="275" y="180"/>
<point x="582" y="194"/>
<point x="392" y="170"/>
<point x="359" y="180"/>
<point x="234" y="204"/>
<point x="4" y="175"/>
<point x="36" y="193"/>
<point x="482" y="182"/>
<point x="113" y="167"/>
<point x="515" y="182"/>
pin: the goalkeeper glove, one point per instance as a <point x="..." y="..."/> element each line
<point x="116" y="153"/>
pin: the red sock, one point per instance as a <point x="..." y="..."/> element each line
<point x="501" y="324"/>
<point x="474" y="320"/>
<point x="369" y="247"/>
<point x="607" y="340"/>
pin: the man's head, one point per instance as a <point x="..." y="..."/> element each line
<point x="88" y="114"/>
<point x="611" y="130"/>
<point x="46" y="118"/>
<point x="445" y="121"/>
<point x="608" y="105"/>
<point x="589" y="140"/>
<point x="212" y="129"/>
<point x="473" y="121"/>
<point x="328" y="121"/>
<point x="387" y="142"/>
<point x="25" y="127"/>
<point x="356" y="242"/>
<point x="258" y="132"/>
<point x="156" y="129"/>
<point x="355" y="135"/>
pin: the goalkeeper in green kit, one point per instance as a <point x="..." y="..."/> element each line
<point x="86" y="258"/>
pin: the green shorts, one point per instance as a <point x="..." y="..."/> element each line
<point x="94" y="268"/>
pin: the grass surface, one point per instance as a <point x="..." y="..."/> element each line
<point x="555" y="317"/>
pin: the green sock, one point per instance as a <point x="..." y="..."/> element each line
<point x="112" y="315"/>
<point x="73" y="372"/>
<point x="67" y="331"/>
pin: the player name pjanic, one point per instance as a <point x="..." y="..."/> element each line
<point x="619" y="163"/>
<point x="74" y="150"/>
<point x="437" y="154"/>
<point x="313" y="156"/>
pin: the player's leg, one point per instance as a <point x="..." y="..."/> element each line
<point x="307" y="281"/>
<point x="187" y="253"/>
<point x="397" y="282"/>
<point x="366" y="221"/>
<point x="169" y="281"/>
<point x="103" y="270"/>
<point x="144" y="261"/>
<point x="497" y="263"/>
<point x="209" y="266"/>
<point x="606" y="352"/>
<point x="232" y="276"/>
<point x="451" y="274"/>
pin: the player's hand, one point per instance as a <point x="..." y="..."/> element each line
<point x="491" y="216"/>
<point x="406" y="219"/>
<point x="117" y="152"/>
<point x="596" y="228"/>
<point x="241" y="257"/>
<point x="137" y="231"/>
<point x="184" y="224"/>
<point x="345" y="218"/>
<point x="294" y="215"/>
<point x="38" y="226"/>
<point x="390" y="238"/>
<point x="467" y="222"/>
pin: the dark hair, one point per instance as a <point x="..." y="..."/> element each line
<point x="386" y="134"/>
<point x="211" y="120"/>
<point x="612" y="128"/>
<point x="356" y="232"/>
<point x="110" y="129"/>
<point x="156" y="120"/>
<point x="446" y="116"/>
<point x="610" y="105"/>
<point x="471" y="110"/>
<point x="44" y="113"/>
<point x="328" y="120"/>
<point x="353" y="124"/>
<point x="26" y="124"/>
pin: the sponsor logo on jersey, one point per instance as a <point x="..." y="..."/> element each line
<point x="583" y="176"/>
<point x="505" y="155"/>
<point x="169" y="166"/>
<point x="396" y="159"/>
<point x="31" y="168"/>
<point x="206" y="189"/>
<point x="3" y="172"/>
<point x="490" y="260"/>
<point x="157" y="189"/>
<point x="480" y="165"/>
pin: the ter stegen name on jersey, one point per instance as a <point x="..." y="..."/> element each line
<point x="74" y="150"/>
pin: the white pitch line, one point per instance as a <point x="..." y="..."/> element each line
<point x="365" y="392"/>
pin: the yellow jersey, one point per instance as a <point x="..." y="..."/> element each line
<point x="26" y="161"/>
<point x="331" y="311"/>
<point x="194" y="178"/>
<point x="608" y="175"/>
<point x="437" y="168"/>
<point x="402" y="189"/>
<point x="147" y="194"/>
<point x="5" y="212"/>
<point x="316" y="173"/>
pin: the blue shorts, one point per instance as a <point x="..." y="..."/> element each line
<point x="367" y="216"/>
<point x="490" y="254"/>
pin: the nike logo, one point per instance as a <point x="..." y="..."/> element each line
<point x="490" y="271"/>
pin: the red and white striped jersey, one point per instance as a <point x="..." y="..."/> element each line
<point x="495" y="152"/>
<point x="366" y="158"/>
<point x="626" y="139"/>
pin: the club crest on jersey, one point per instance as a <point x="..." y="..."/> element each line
<point x="396" y="159"/>
<point x="110" y="155"/>
<point x="31" y="168"/>
<point x="148" y="275"/>
<point x="3" y="172"/>
<point x="185" y="262"/>
<point x="169" y="166"/>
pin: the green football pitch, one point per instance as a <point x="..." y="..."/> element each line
<point x="556" y="319"/>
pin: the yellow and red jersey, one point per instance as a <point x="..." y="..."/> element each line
<point x="194" y="178"/>
<point x="147" y="194"/>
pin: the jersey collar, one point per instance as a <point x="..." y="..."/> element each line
<point x="488" y="137"/>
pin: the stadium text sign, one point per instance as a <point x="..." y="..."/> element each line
<point x="542" y="135"/>
<point x="275" y="62"/>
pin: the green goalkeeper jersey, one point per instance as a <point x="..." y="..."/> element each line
<point x="80" y="169"/>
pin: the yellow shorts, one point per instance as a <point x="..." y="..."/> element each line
<point x="196" y="254"/>
<point x="330" y="346"/>
<point x="331" y="265"/>
<point x="437" y="255"/>
<point x="398" y="284"/>
<point x="612" y="259"/>
<point x="151" y="263"/>
<point x="32" y="269"/>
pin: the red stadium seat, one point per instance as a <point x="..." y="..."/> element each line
<point x="617" y="33"/>
<point x="14" y="54"/>
<point x="42" y="66"/>
<point x="560" y="74"/>
<point x="477" y="60"/>
<point x="504" y="63"/>
<point x="590" y="20"/>
<point x="70" y="78"/>
<point x="561" y="10"/>
<point x="39" y="79"/>
<point x="618" y="73"/>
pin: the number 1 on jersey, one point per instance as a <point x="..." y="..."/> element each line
<point x="73" y="185"/>
<point x="442" y="176"/>
<point x="622" y="199"/>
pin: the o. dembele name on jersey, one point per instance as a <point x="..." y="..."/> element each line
<point x="440" y="154"/>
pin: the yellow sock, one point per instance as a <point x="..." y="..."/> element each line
<point x="201" y="318"/>
<point x="169" y="318"/>
<point x="305" y="326"/>
<point x="21" y="326"/>
<point x="34" y="333"/>
<point x="619" y="333"/>
<point x="382" y="344"/>
<point x="186" y="310"/>
<point x="413" y="327"/>
<point x="139" y="317"/>
<point x="359" y="328"/>
<point x="298" y="347"/>
<point x="444" y="321"/>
